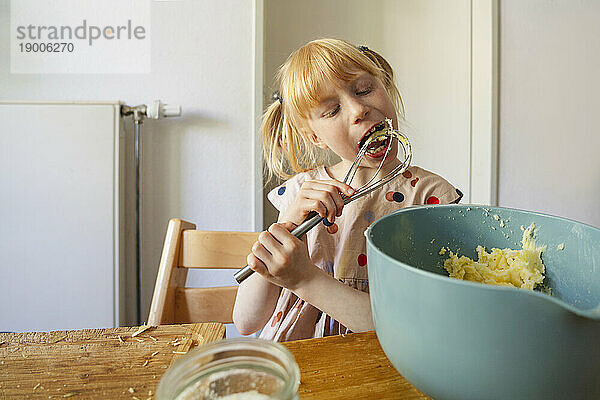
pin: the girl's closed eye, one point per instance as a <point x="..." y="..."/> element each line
<point x="364" y="91"/>
<point x="364" y="88"/>
<point x="332" y="112"/>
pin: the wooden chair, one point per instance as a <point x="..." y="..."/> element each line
<point x="185" y="247"/>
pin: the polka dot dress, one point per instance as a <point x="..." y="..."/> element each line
<point x="339" y="247"/>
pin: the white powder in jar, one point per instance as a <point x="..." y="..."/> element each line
<point x="244" y="382"/>
<point x="250" y="395"/>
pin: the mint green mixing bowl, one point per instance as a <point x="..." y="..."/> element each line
<point x="462" y="340"/>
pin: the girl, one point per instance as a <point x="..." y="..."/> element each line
<point x="332" y="94"/>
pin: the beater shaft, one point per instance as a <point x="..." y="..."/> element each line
<point x="314" y="219"/>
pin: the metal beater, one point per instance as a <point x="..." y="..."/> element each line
<point x="384" y="130"/>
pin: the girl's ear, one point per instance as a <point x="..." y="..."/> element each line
<point x="317" y="141"/>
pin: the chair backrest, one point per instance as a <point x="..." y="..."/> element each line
<point x="185" y="247"/>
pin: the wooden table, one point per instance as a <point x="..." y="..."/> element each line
<point x="95" y="363"/>
<point x="348" y="367"/>
<point x="110" y="363"/>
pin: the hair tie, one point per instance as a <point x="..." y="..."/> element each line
<point x="363" y="48"/>
<point x="280" y="100"/>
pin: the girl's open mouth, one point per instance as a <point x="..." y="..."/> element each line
<point x="378" y="148"/>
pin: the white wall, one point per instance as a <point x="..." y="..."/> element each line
<point x="200" y="166"/>
<point x="428" y="44"/>
<point x="549" y="86"/>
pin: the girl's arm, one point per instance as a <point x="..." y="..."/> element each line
<point x="254" y="304"/>
<point x="283" y="259"/>
<point x="257" y="297"/>
<point x="351" y="307"/>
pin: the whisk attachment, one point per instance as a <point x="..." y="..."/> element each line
<point x="380" y="133"/>
<point x="383" y="131"/>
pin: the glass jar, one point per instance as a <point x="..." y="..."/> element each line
<point x="233" y="369"/>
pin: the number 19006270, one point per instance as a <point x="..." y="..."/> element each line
<point x="46" y="47"/>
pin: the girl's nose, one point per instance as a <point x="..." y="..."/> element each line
<point x="359" y="112"/>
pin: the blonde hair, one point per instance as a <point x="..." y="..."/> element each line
<point x="286" y="142"/>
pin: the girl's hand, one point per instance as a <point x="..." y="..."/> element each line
<point x="281" y="258"/>
<point x="321" y="196"/>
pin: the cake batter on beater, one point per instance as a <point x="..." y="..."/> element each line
<point x="332" y="96"/>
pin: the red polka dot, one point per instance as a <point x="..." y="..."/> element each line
<point x="332" y="228"/>
<point x="433" y="200"/>
<point x="414" y="182"/>
<point x="362" y="260"/>
<point x="407" y="174"/>
<point x="276" y="319"/>
<point x="389" y="196"/>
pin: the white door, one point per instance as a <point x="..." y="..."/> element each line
<point x="442" y="53"/>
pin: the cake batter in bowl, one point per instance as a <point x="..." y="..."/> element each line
<point x="455" y="339"/>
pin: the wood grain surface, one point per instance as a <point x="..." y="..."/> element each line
<point x="111" y="364"/>
<point x="95" y="363"/>
<point x="348" y="367"/>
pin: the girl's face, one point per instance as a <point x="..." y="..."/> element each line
<point x="346" y="113"/>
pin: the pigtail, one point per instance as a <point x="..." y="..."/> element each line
<point x="273" y="139"/>
<point x="286" y="151"/>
